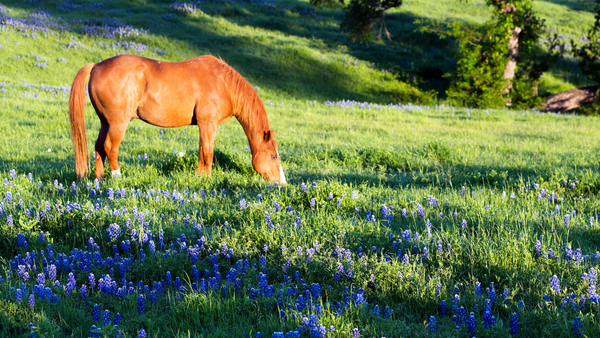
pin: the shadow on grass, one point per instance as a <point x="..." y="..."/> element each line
<point x="283" y="65"/>
<point x="581" y="5"/>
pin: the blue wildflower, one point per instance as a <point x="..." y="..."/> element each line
<point x="96" y="313"/>
<point x="471" y="324"/>
<point x="141" y="305"/>
<point x="555" y="284"/>
<point x="106" y="318"/>
<point x="514" y="324"/>
<point x="577" y="325"/>
<point x="22" y="241"/>
<point x="432" y="324"/>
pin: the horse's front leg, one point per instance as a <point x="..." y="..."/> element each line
<point x="207" y="143"/>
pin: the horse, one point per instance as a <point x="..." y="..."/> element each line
<point x="203" y="91"/>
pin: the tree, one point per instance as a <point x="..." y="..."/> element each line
<point x="361" y="16"/>
<point x="500" y="62"/>
<point x="588" y="55"/>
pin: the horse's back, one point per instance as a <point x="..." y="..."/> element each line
<point x="161" y="93"/>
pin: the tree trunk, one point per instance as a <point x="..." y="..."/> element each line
<point x="513" y="55"/>
<point x="513" y="47"/>
<point x="571" y="99"/>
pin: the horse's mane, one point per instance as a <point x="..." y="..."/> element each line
<point x="247" y="105"/>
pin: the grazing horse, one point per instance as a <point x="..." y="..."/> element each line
<point x="202" y="91"/>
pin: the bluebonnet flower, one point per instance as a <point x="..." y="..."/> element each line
<point x="92" y="280"/>
<point x="142" y="332"/>
<point x="425" y="256"/>
<point x="577" y="325"/>
<point x="18" y="296"/>
<point x="52" y="272"/>
<point x="31" y="301"/>
<point x="153" y="297"/>
<point x="538" y="248"/>
<point x="478" y="290"/>
<point x="355" y="333"/>
<point x="22" y="241"/>
<point x="432" y="324"/>
<point x="567" y="221"/>
<point x="113" y="232"/>
<point x="463" y="225"/>
<point x="555" y="284"/>
<point x="141" y="305"/>
<point x="376" y="310"/>
<point x="304" y="187"/>
<point x="403" y="212"/>
<point x="315" y="290"/>
<point x="96" y="313"/>
<point x="22" y="272"/>
<point x="488" y="320"/>
<point x="491" y="293"/>
<point x="443" y="308"/>
<point x="42" y="237"/>
<point x="106" y="318"/>
<point x="41" y="279"/>
<point x="457" y="322"/>
<point x="268" y="221"/>
<point x="462" y="313"/>
<point x="93" y="334"/>
<point x="420" y="211"/>
<point x="471" y="324"/>
<point x="514" y="324"/>
<point x="117" y="320"/>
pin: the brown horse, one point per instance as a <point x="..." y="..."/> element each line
<point x="202" y="91"/>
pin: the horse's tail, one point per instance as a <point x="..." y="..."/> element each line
<point x="77" y="117"/>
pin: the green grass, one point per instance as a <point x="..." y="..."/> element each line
<point x="386" y="156"/>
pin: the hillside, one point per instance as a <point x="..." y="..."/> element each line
<point x="285" y="48"/>
<point x="402" y="216"/>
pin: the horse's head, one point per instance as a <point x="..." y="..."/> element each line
<point x="265" y="159"/>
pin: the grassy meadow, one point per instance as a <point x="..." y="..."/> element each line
<point x="403" y="216"/>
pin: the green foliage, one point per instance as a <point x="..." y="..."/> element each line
<point x="479" y="77"/>
<point x="589" y="52"/>
<point x="478" y="81"/>
<point x="361" y="16"/>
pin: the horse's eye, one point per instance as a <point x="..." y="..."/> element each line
<point x="274" y="157"/>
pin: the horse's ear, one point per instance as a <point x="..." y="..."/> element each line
<point x="267" y="136"/>
<point x="272" y="134"/>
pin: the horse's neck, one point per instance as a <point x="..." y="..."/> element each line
<point x="253" y="118"/>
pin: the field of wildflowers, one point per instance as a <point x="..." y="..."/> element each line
<point x="404" y="219"/>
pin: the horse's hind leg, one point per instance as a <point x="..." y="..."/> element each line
<point x="100" y="152"/>
<point x="116" y="132"/>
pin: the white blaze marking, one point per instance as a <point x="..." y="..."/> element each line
<point x="281" y="174"/>
<point x="116" y="173"/>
